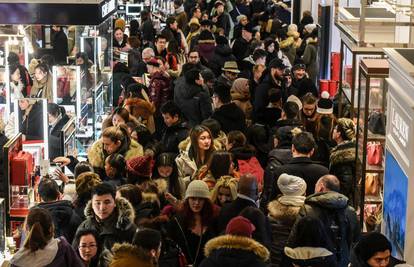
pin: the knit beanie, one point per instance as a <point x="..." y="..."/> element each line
<point x="86" y="182"/>
<point x="140" y="166"/>
<point x="348" y="127"/>
<point x="291" y="185"/>
<point x="370" y="244"/>
<point x="299" y="64"/>
<point x="325" y="105"/>
<point x="197" y="188"/>
<point x="310" y="27"/>
<point x="240" y="226"/>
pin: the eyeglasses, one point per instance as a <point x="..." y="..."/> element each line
<point x="91" y="246"/>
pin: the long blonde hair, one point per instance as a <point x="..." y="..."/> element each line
<point x="227" y="182"/>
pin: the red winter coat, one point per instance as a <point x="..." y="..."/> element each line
<point x="159" y="89"/>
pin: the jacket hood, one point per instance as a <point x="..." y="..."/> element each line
<point x="143" y="105"/>
<point x="343" y="153"/>
<point x="311" y="40"/>
<point x="329" y="200"/>
<point x="284" y="214"/>
<point x="223" y="50"/>
<point x="129" y="255"/>
<point x="61" y="210"/>
<point x="126" y="213"/>
<point x="306" y="253"/>
<point x="43" y="257"/>
<point x="232" y="242"/>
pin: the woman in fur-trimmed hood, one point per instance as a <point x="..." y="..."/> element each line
<point x="342" y="158"/>
<point x="117" y="228"/>
<point x="236" y="248"/>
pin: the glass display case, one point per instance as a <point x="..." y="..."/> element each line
<point x="371" y="140"/>
<point x="67" y="88"/>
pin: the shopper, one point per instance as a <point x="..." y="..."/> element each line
<point x="84" y="184"/>
<point x="220" y="164"/>
<point x="229" y="74"/>
<point x="225" y="191"/>
<point x="112" y="218"/>
<point x="300" y="81"/>
<point x="159" y="85"/>
<point x="20" y="82"/>
<point x="40" y="247"/>
<point x="88" y="247"/>
<point x="236" y="248"/>
<point x="176" y="130"/>
<point x="133" y="194"/>
<point x="65" y="219"/>
<point x="150" y="241"/>
<point x="59" y="44"/>
<point x="115" y="173"/>
<point x="194" y="223"/>
<point x="42" y="84"/>
<point x="240" y="95"/>
<point x="57" y="119"/>
<point x="221" y="18"/>
<point x="222" y="54"/>
<point x="309" y="113"/>
<point x="338" y="218"/>
<point x="139" y="169"/>
<point x="31" y="119"/>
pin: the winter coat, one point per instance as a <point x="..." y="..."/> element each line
<point x="231" y="210"/>
<point x="60" y="47"/>
<point x="32" y="125"/>
<point x="261" y="98"/>
<point x="42" y="88"/>
<point x="241" y="97"/>
<point x="55" y="149"/>
<point x="173" y="135"/>
<point x="159" y="89"/>
<point x="289" y="49"/>
<point x="143" y="110"/>
<point x="240" y="49"/>
<point x="97" y="156"/>
<point x="193" y="100"/>
<point x="332" y="204"/>
<point x="310" y="58"/>
<point x="310" y="256"/>
<point x="230" y="117"/>
<point x="65" y="219"/>
<point x="282" y="216"/>
<point x="304" y="86"/>
<point x="148" y="31"/>
<point x="303" y="167"/>
<point x="223" y="21"/>
<point x="129" y="255"/>
<point x="118" y="228"/>
<point x="58" y="252"/>
<point x="206" y="50"/>
<point x="356" y="261"/>
<point x="342" y="165"/>
<point x="186" y="166"/>
<point x="234" y="251"/>
<point x="222" y="53"/>
<point x="223" y="80"/>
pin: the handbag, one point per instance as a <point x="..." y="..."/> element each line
<point x="374" y="153"/>
<point x="376" y="123"/>
<point x="372" y="184"/>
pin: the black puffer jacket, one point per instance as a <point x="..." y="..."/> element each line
<point x="342" y="165"/>
<point x="173" y="135"/>
<point x="327" y="205"/>
<point x="234" y="251"/>
<point x="222" y="53"/>
<point x="230" y="117"/>
<point x="65" y="219"/>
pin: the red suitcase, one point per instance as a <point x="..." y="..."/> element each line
<point x="335" y="65"/>
<point x="22" y="166"/>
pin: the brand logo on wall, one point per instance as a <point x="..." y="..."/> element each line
<point x="400" y="128"/>
<point x="108" y="7"/>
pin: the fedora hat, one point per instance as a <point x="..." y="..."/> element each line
<point x="231" y="66"/>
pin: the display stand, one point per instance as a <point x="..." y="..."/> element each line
<point x="371" y="140"/>
<point x="398" y="211"/>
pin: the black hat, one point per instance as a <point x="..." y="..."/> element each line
<point x="218" y="2"/>
<point x="223" y="92"/>
<point x="277" y="64"/>
<point x="248" y="27"/>
<point x="325" y="105"/>
<point x="371" y="244"/>
<point x="299" y="64"/>
<point x="221" y="40"/>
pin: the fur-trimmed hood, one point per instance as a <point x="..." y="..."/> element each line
<point x="139" y="107"/>
<point x="343" y="153"/>
<point x="311" y="40"/>
<point x="307" y="253"/>
<point x="129" y="255"/>
<point x="232" y="242"/>
<point x="124" y="209"/>
<point x="281" y="213"/>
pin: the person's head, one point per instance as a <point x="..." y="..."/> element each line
<point x="224" y="191"/>
<point x="147" y="54"/>
<point x="240" y="226"/>
<point x="82" y="59"/>
<point x="205" y="23"/>
<point x="131" y="192"/>
<point x="139" y="169"/>
<point x="196" y="196"/>
<point x="327" y="183"/>
<point x="193" y="57"/>
<point x="220" y="164"/>
<point x="54" y="112"/>
<point x="120" y="116"/>
<point x="193" y="77"/>
<point x="242" y="20"/>
<point x="247" y="32"/>
<point x="275" y="96"/>
<point x="171" y="23"/>
<point x="134" y="41"/>
<point x="81" y="167"/>
<point x="41" y="71"/>
<point x="344" y="130"/>
<point x="142" y="135"/>
<point x="160" y="42"/>
<point x="290" y="110"/>
<point x="259" y="56"/>
<point x="303" y="144"/>
<point x="374" y="249"/>
<point x="13" y="59"/>
<point x="221" y="95"/>
<point x="309" y="102"/>
<point x="248" y="186"/>
<point x="311" y="233"/>
<point x="291" y="185"/>
<point x="283" y="136"/>
<point x="201" y="143"/>
<point x="149" y="240"/>
<point x="219" y="5"/>
<point x="153" y="66"/>
<point x="213" y="125"/>
<point x="48" y="190"/>
<point x="87" y="245"/>
<point x="230" y="70"/>
<point x="119" y="35"/>
<point x="171" y="113"/>
<point x="84" y="184"/>
<point x="15" y="75"/>
<point x="258" y="71"/>
<point x="235" y="139"/>
<point x="24" y="104"/>
<point x="277" y="68"/>
<point x="165" y="165"/>
<point x="270" y="45"/>
<point x="116" y="139"/>
<point x="115" y="166"/>
<point x="103" y="200"/>
<point x="40" y="229"/>
<point x="196" y="13"/>
<point x="299" y="70"/>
